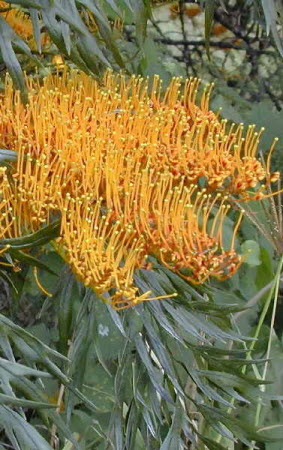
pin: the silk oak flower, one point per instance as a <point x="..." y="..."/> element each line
<point x="20" y="22"/>
<point x="133" y="170"/>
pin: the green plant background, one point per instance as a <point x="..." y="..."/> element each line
<point x="163" y="375"/>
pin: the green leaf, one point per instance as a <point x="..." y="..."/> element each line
<point x="8" y="41"/>
<point x="270" y="13"/>
<point x="67" y="296"/>
<point x="207" y="389"/>
<point x="243" y="430"/>
<point x="31" y="260"/>
<point x="132" y="423"/>
<point x="35" y="239"/>
<point x="64" y="430"/>
<point x="7" y="155"/>
<point x="63" y="22"/>
<point x="10" y="369"/>
<point x="114" y="5"/>
<point x="83" y="338"/>
<point x="21" y="378"/>
<point x="34" y="15"/>
<point x="160" y="350"/>
<point x="115" y="429"/>
<point x="210" y="6"/>
<point x="8" y="279"/>
<point x="173" y="439"/>
<point x="10" y="59"/>
<point x="20" y="432"/>
<point x="104" y="29"/>
<point x="163" y="321"/>
<point x="116" y="319"/>
<point x="212" y="445"/>
<point x="9" y="400"/>
<point x="36" y="346"/>
<point x="141" y="16"/>
<point x="143" y="353"/>
<point x="251" y="253"/>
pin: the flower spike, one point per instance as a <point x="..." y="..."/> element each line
<point x="132" y="170"/>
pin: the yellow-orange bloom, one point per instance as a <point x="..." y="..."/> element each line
<point x="132" y="171"/>
<point x="8" y="222"/>
<point x="137" y="124"/>
<point x="19" y="21"/>
<point x="22" y="24"/>
<point x="183" y="226"/>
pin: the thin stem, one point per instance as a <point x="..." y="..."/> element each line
<point x="271" y="427"/>
<point x="276" y="292"/>
<point x="254" y="300"/>
<point x="275" y="287"/>
<point x="54" y="438"/>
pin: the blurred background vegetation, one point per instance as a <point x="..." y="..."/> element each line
<point x="75" y="374"/>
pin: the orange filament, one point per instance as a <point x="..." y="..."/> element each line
<point x="39" y="284"/>
<point x="122" y="164"/>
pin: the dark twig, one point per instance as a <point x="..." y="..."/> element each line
<point x="227" y="21"/>
<point x="219" y="44"/>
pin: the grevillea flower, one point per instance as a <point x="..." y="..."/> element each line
<point x="22" y="25"/>
<point x="133" y="171"/>
<point x="184" y="229"/>
<point x="19" y="21"/>
<point x="102" y="252"/>
<point x="8" y="225"/>
<point x="123" y="120"/>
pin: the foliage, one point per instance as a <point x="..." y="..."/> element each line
<point x="66" y="25"/>
<point x="170" y="374"/>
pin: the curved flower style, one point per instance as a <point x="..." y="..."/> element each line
<point x="133" y="172"/>
<point x="8" y="222"/>
<point x="102" y="252"/>
<point x="183" y="229"/>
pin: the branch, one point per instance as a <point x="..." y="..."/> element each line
<point x="227" y="21"/>
<point x="219" y="44"/>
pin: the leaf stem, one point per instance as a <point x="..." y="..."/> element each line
<point x="274" y="290"/>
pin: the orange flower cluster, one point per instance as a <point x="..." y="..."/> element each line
<point x="20" y="22"/>
<point x="132" y="171"/>
<point x="190" y="10"/>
